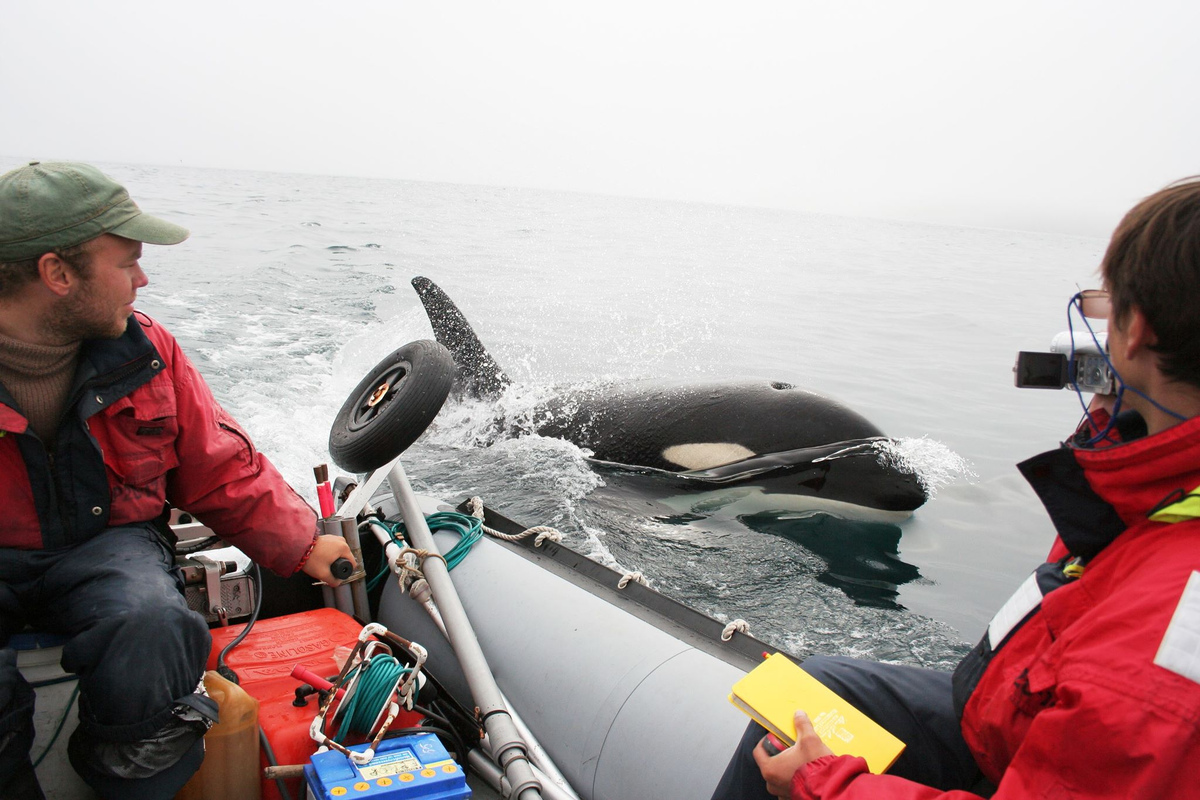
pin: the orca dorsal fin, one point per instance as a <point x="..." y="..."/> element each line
<point x="479" y="374"/>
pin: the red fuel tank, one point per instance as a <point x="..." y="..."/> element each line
<point x="264" y="662"/>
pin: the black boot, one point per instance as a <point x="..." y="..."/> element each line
<point x="160" y="786"/>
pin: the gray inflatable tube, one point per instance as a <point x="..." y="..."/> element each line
<point x="627" y="702"/>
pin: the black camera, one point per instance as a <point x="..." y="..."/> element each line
<point x="1088" y="370"/>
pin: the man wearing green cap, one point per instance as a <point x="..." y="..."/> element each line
<point x="104" y="422"/>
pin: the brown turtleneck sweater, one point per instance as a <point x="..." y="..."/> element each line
<point x="39" y="378"/>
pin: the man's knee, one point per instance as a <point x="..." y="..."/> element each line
<point x="168" y="628"/>
<point x="139" y="638"/>
<point x="822" y="667"/>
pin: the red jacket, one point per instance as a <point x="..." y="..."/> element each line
<point x="142" y="429"/>
<point x="1096" y="693"/>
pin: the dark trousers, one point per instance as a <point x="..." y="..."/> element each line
<point x="913" y="703"/>
<point x="138" y="651"/>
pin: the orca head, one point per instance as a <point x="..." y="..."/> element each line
<point x="478" y="373"/>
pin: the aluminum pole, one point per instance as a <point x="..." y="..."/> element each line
<point x="357" y="581"/>
<point x="507" y="745"/>
<point x="486" y="768"/>
<point x="543" y="764"/>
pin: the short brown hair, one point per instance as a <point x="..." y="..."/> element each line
<point x="1153" y="263"/>
<point x="16" y="274"/>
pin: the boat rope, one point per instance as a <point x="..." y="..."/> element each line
<point x="424" y="554"/>
<point x="410" y="562"/>
<point x="408" y="568"/>
<point x="542" y="532"/>
<point x="632" y="576"/>
<point x="739" y="625"/>
<point x="470" y="530"/>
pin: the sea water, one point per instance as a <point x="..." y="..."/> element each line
<point x="293" y="286"/>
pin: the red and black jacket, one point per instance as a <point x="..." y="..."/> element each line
<point x="142" y="429"/>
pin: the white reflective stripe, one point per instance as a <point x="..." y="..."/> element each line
<point x="1024" y="600"/>
<point x="1180" y="647"/>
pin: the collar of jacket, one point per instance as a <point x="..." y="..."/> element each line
<point x="1180" y="510"/>
<point x="108" y="368"/>
<point x="1093" y="496"/>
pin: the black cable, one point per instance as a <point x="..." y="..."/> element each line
<point x="53" y="681"/>
<point x="224" y="670"/>
<point x="452" y="709"/>
<point x="466" y="719"/>
<point x="429" y="713"/>
<point x="395" y="733"/>
<point x="202" y="544"/>
<point x="466" y="726"/>
<point x="266" y="746"/>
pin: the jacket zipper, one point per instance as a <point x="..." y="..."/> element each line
<point x="57" y="501"/>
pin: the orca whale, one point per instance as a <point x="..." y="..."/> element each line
<point x="790" y="448"/>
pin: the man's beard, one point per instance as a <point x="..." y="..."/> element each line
<point x="80" y="317"/>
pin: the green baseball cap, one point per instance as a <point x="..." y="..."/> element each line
<point x="50" y="205"/>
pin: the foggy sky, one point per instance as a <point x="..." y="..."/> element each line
<point x="1052" y="116"/>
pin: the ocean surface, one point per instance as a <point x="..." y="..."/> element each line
<point x="293" y="286"/>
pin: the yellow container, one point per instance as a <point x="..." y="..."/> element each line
<point x="231" y="766"/>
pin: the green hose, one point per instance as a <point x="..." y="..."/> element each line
<point x="469" y="529"/>
<point x="378" y="677"/>
<point x="62" y="721"/>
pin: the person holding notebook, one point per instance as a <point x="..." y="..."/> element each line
<point x="1087" y="682"/>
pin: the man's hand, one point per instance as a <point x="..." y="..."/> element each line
<point x="778" y="770"/>
<point x="327" y="550"/>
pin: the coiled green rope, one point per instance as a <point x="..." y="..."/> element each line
<point x="377" y="679"/>
<point x="469" y="529"/>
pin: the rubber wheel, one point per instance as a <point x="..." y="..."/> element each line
<point x="392" y="406"/>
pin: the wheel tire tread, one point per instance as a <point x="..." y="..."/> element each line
<point x="407" y="414"/>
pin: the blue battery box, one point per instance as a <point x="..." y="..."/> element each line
<point x="405" y="767"/>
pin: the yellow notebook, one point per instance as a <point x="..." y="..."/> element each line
<point x="773" y="691"/>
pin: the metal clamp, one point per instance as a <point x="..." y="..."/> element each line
<point x="212" y="588"/>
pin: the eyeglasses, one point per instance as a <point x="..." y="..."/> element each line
<point x="1093" y="303"/>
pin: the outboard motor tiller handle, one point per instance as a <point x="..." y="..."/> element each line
<point x="341" y="568"/>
